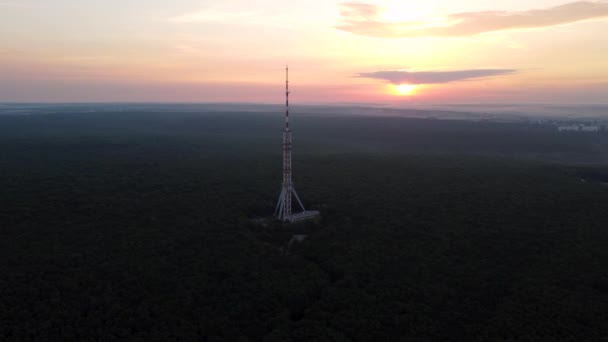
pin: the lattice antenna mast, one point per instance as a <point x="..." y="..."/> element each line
<point x="287" y="137"/>
<point x="283" y="209"/>
<point x="287" y="183"/>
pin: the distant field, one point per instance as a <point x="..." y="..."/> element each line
<point x="316" y="132"/>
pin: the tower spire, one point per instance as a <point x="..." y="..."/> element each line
<point x="287" y="97"/>
<point x="283" y="209"/>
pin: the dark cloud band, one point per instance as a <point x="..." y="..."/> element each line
<point x="363" y="19"/>
<point x="433" y="77"/>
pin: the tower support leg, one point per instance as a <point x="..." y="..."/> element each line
<point x="298" y="199"/>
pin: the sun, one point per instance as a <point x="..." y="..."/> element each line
<point x="405" y="89"/>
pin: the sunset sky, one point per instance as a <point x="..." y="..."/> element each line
<point x="435" y="51"/>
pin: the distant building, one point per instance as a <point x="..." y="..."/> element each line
<point x="590" y="128"/>
<point x="578" y="128"/>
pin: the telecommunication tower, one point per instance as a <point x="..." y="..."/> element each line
<point x="283" y="210"/>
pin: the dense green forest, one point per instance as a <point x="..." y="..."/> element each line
<point x="143" y="226"/>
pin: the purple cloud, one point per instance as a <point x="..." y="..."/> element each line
<point x="363" y="19"/>
<point x="433" y="77"/>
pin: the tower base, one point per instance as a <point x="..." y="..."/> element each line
<point x="304" y="215"/>
<point x="283" y="209"/>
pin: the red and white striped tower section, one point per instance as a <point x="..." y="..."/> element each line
<point x="283" y="209"/>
